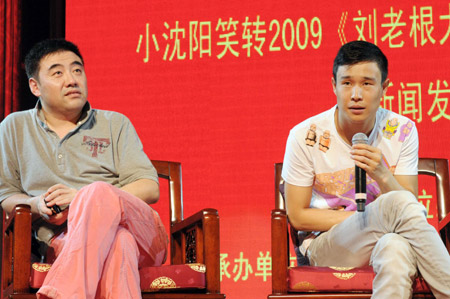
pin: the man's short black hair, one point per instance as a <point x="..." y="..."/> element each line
<point x="44" y="48"/>
<point x="361" y="51"/>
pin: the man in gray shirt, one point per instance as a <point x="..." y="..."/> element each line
<point x="86" y="167"/>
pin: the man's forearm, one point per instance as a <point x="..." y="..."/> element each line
<point x="311" y="219"/>
<point x="16" y="199"/>
<point x="302" y="217"/>
<point x="145" y="189"/>
<point x="390" y="182"/>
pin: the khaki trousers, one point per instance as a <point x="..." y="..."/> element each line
<point x="393" y="236"/>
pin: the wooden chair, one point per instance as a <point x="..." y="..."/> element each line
<point x="192" y="240"/>
<point x="437" y="168"/>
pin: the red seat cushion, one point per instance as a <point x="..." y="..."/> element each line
<point x="153" y="279"/>
<point x="187" y="276"/>
<point x="338" y="279"/>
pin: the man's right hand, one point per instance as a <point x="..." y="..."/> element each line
<point x="48" y="214"/>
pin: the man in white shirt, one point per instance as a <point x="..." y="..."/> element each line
<point x="392" y="234"/>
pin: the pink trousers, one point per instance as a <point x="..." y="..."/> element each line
<point x="110" y="235"/>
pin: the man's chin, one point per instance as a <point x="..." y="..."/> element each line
<point x="76" y="102"/>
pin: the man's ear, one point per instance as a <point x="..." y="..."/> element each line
<point x="385" y="86"/>
<point x="34" y="87"/>
<point x="333" y="82"/>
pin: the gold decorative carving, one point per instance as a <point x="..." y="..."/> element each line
<point x="342" y="268"/>
<point x="198" y="267"/>
<point x="304" y="286"/>
<point x="41" y="267"/>
<point x="343" y="276"/>
<point x="163" y="282"/>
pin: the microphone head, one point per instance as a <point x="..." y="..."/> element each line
<point x="360" y="138"/>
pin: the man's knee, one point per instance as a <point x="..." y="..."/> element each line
<point x="98" y="187"/>
<point x="96" y="192"/>
<point x="402" y="203"/>
<point x="399" y="196"/>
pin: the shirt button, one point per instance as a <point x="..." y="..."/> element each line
<point x="60" y="156"/>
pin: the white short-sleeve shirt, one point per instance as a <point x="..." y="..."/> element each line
<point x="317" y="156"/>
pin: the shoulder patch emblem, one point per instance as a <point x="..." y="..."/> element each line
<point x="391" y="128"/>
<point x="325" y="140"/>
<point x="311" y="135"/>
<point x="405" y="130"/>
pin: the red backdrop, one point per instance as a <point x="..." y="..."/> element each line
<point x="217" y="85"/>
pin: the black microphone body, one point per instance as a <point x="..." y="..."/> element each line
<point x="360" y="176"/>
<point x="360" y="189"/>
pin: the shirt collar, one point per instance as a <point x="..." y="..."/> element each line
<point x="85" y="113"/>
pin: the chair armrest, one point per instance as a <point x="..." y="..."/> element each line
<point x="444" y="223"/>
<point x="196" y="240"/>
<point x="280" y="251"/>
<point x="17" y="249"/>
<point x="444" y="229"/>
<point x="193" y="219"/>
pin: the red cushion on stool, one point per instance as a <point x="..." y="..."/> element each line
<point x="186" y="276"/>
<point x="38" y="273"/>
<point x="153" y="279"/>
<point x="310" y="279"/>
<point x="338" y="279"/>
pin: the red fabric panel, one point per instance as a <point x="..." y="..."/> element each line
<point x="2" y="56"/>
<point x="9" y="56"/>
<point x="311" y="279"/>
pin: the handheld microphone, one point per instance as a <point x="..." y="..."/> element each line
<point x="360" y="176"/>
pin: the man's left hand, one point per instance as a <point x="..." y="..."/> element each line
<point x="370" y="159"/>
<point x="59" y="195"/>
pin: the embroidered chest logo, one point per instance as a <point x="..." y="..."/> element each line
<point x="96" y="145"/>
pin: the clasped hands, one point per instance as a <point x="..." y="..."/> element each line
<point x="53" y="204"/>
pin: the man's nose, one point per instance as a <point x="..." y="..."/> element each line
<point x="357" y="93"/>
<point x="70" y="79"/>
